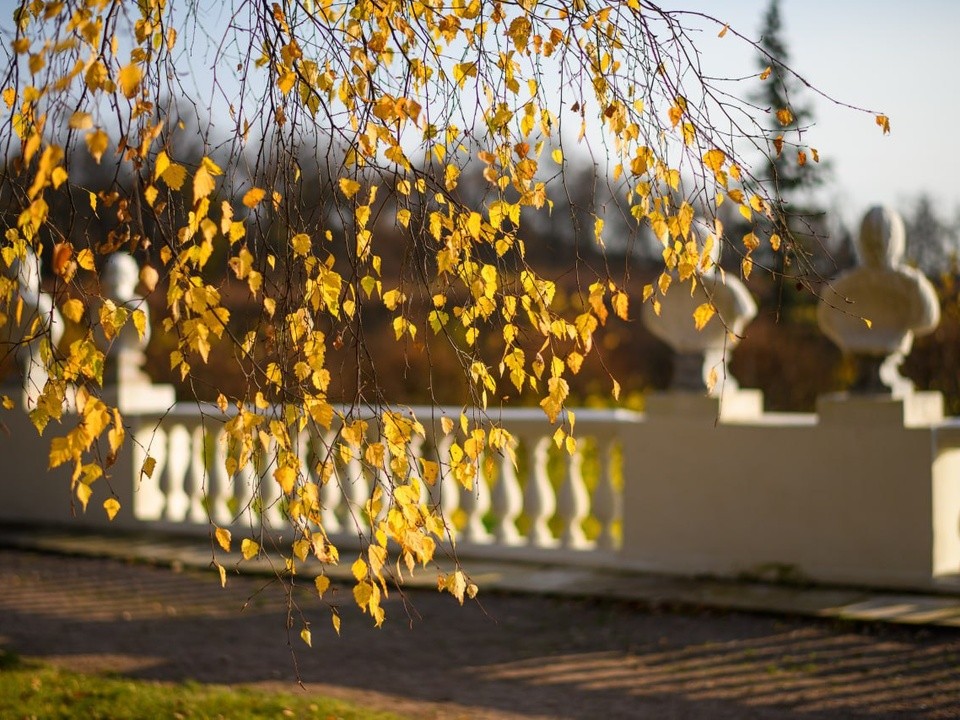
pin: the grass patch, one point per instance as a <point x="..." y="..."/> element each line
<point x="32" y="690"/>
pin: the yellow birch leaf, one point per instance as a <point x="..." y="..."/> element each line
<point x="335" y="619"/>
<point x="162" y="163"/>
<point x="712" y="379"/>
<point x="129" y="79"/>
<point x="766" y="73"/>
<point x="223" y="574"/>
<point x="431" y="471"/>
<point x="83" y="494"/>
<point x="300" y="244"/>
<point x="112" y="507"/>
<point x="97" y="143"/>
<point x="884" y="122"/>
<point x="359" y="569"/>
<point x="784" y="116"/>
<point x="285" y="476"/>
<point x="249" y="548"/>
<point x="149" y="277"/>
<point x="203" y="183"/>
<point x="253" y="196"/>
<point x="81" y="121"/>
<point x="7" y="401"/>
<point x="85" y="259"/>
<point x="140" y="322"/>
<point x="557" y="156"/>
<point x="322" y="583"/>
<point x="223" y="538"/>
<point x="72" y="310"/>
<point x="702" y="315"/>
<point x="58" y="177"/>
<point x="174" y="176"/>
<point x="349" y="187"/>
<point x="285" y="82"/>
<point x="148" y="466"/>
<point x="462" y="71"/>
<point x="621" y="304"/>
<point x="778" y="144"/>
<point x="474" y="222"/>
<point x="305" y="636"/>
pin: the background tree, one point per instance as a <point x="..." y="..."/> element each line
<point x="322" y="187"/>
<point x="791" y="171"/>
<point x="931" y="239"/>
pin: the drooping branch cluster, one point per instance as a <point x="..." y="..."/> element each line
<point x="283" y="169"/>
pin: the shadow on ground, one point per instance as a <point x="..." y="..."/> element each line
<point x="508" y="657"/>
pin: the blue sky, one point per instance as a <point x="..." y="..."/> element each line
<point x="885" y="55"/>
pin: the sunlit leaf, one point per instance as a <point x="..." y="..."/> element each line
<point x="223" y="538"/>
<point x="112" y="507"/>
<point x="129" y="79"/>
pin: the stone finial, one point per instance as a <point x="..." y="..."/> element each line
<point x="699" y="351"/>
<point x="38" y="322"/>
<point x="124" y="351"/>
<point x="875" y="310"/>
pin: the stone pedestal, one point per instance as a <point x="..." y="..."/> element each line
<point x="918" y="409"/>
<point x="732" y="405"/>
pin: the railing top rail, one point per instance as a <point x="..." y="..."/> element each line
<point x="194" y="411"/>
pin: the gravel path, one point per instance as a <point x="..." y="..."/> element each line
<point x="507" y="657"/>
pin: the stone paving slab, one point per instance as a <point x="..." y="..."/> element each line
<point x="853" y="604"/>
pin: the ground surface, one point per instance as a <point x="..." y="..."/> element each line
<point x="511" y="657"/>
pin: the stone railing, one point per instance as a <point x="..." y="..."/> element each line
<point x="864" y="491"/>
<point x="550" y="505"/>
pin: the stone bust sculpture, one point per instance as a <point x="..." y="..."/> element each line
<point x="875" y="310"/>
<point x="697" y="351"/>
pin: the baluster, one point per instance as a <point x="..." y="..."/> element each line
<point x="245" y="491"/>
<point x="507" y="501"/>
<point x="174" y="478"/>
<point x="304" y="450"/>
<point x="414" y="454"/>
<point x="198" y="475"/>
<point x="606" y="499"/>
<point x="148" y="500"/>
<point x="271" y="495"/>
<point x="539" y="501"/>
<point x="356" y="489"/>
<point x="220" y="492"/>
<point x="445" y="495"/>
<point x="573" y="502"/>
<point x="380" y="477"/>
<point x="331" y="492"/>
<point x="476" y="503"/>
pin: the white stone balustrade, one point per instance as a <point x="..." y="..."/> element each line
<point x="555" y="505"/>
<point x="866" y="491"/>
